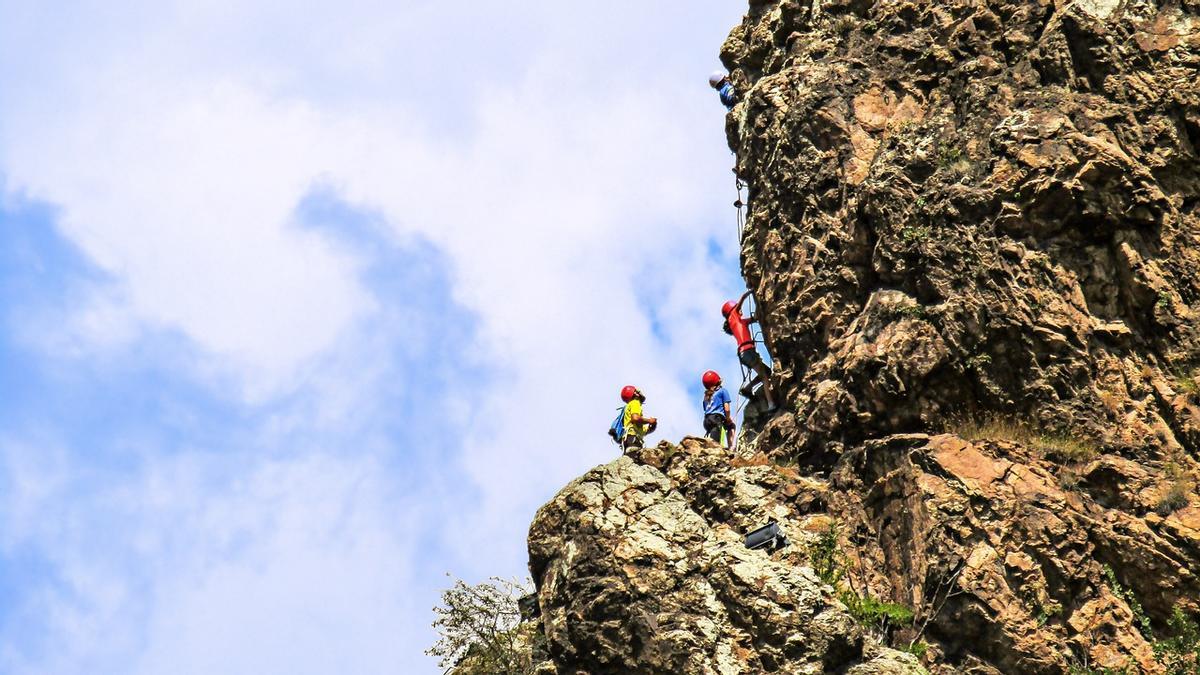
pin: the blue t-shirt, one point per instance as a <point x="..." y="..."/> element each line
<point x="716" y="404"/>
<point x="727" y="95"/>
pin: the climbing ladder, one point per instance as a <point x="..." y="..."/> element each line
<point x="747" y="374"/>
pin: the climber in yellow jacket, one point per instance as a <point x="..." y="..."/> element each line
<point x="636" y="424"/>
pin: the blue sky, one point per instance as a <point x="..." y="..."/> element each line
<point x="300" y="310"/>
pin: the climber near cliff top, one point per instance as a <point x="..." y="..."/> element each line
<point x="739" y="327"/>
<point x="720" y="82"/>
<point x="718" y="421"/>
<point x="636" y="424"/>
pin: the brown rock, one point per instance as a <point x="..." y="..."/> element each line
<point x="973" y="236"/>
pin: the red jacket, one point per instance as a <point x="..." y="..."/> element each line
<point x="741" y="331"/>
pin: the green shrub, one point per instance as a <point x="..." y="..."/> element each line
<point x="1065" y="448"/>
<point x="949" y="153"/>
<point x="1048" y="612"/>
<point x="893" y="312"/>
<point x="911" y="312"/>
<point x="1186" y="378"/>
<point x="1139" y="615"/>
<point x="480" y="629"/>
<point x="1078" y="669"/>
<point x="1180" y="654"/>
<point x="873" y="613"/>
<point x="1189" y="384"/>
<point x="829" y="562"/>
<point x="979" y="361"/>
<point x="826" y="557"/>
<point x="911" y="233"/>
<point x="844" y="24"/>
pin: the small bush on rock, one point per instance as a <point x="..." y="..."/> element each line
<point x="912" y="233"/>
<point x="826" y="557"/>
<point x="876" y="614"/>
<point x="844" y="24"/>
<point x="1064" y="448"/>
<point x="1176" y="496"/>
<point x="481" y="630"/>
<point x="1174" y="499"/>
<point x="1189" y="383"/>
<point x="1084" y="669"/>
<point x="1180" y="654"/>
<point x="829" y="562"/>
<point x="1139" y="615"/>
<point x="1058" y="447"/>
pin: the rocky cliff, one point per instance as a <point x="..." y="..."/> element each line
<point x="973" y="236"/>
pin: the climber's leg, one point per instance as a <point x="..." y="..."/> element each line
<point x="754" y="362"/>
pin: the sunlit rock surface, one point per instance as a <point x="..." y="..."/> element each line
<point x="974" y="240"/>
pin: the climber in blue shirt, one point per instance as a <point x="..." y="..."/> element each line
<point x="720" y="82"/>
<point x="718" y="421"/>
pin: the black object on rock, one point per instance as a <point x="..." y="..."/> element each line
<point x="528" y="604"/>
<point x="768" y="536"/>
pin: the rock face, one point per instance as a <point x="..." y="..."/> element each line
<point x="641" y="568"/>
<point x="965" y="211"/>
<point x="1006" y="560"/>
<point x="974" y="243"/>
<point x="974" y="206"/>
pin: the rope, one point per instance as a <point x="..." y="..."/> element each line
<point x="739" y="204"/>
<point x="742" y="400"/>
<point x="739" y="417"/>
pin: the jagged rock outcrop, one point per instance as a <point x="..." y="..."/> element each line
<point x="973" y="236"/>
<point x="641" y="568"/>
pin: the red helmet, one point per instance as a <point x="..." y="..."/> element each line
<point x="628" y="392"/>
<point x="710" y="378"/>
<point x="728" y="307"/>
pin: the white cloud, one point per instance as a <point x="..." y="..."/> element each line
<point x="321" y="582"/>
<point x="582" y="179"/>
<point x="188" y="204"/>
<point x="298" y="566"/>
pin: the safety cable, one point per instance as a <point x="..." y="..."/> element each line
<point x="755" y="332"/>
<point x="739" y="204"/>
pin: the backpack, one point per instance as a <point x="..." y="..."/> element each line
<point x="617" y="429"/>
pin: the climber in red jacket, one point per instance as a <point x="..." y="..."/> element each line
<point x="739" y="327"/>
